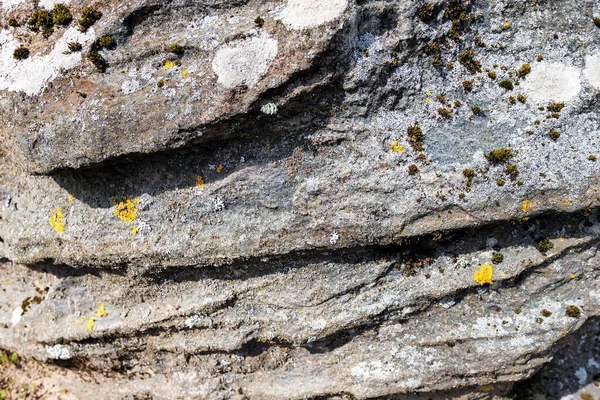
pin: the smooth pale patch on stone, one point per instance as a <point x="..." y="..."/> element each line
<point x="592" y="70"/>
<point x="300" y="14"/>
<point x="16" y="315"/>
<point x="48" y="4"/>
<point x="33" y="74"/>
<point x="552" y="82"/>
<point x="245" y="61"/>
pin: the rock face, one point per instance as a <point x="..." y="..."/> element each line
<point x="298" y="199"/>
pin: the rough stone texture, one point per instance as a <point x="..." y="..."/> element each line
<point x="296" y="254"/>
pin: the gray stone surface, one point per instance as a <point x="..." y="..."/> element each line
<point x="275" y="242"/>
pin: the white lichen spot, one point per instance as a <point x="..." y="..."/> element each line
<point x="447" y="302"/>
<point x="34" y="73"/>
<point x="16" y="315"/>
<point x="269" y="109"/>
<point x="244" y="62"/>
<point x="592" y="70"/>
<point x="218" y="204"/>
<point x="334" y="238"/>
<point x="58" y="352"/>
<point x="300" y="14"/>
<point x="372" y="371"/>
<point x="552" y="82"/>
<point x="581" y="375"/>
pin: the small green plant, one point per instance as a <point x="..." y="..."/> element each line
<point x="573" y="311"/>
<point x="546" y="313"/>
<point x="497" y="258"/>
<point x="457" y="103"/>
<point x="14" y="358"/>
<point x="522" y="98"/>
<point x="540" y="58"/>
<point x="413" y="169"/>
<point x="259" y="21"/>
<point x="500" y="182"/>
<point x="89" y="16"/>
<point x="554" y="134"/>
<point x="477" y="110"/>
<point x="506" y="84"/>
<point x="74" y="46"/>
<point x="524" y="71"/>
<point x="491" y="74"/>
<point x="160" y="83"/>
<point x="499" y="156"/>
<point x="176" y="48"/>
<point x="597" y="21"/>
<point x="543" y="245"/>
<point x="61" y="15"/>
<point x="467" y="59"/>
<point x="41" y="20"/>
<point x="592" y="157"/>
<point x="13" y="22"/>
<point x="21" y="53"/>
<point x="431" y="48"/>
<point x="98" y="61"/>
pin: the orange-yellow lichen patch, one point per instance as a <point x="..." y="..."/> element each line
<point x="169" y="65"/>
<point x="184" y="72"/>
<point x="199" y="182"/>
<point x="567" y="202"/>
<point x="90" y="324"/>
<point x="484" y="274"/>
<point x="125" y="210"/>
<point x="526" y="205"/>
<point x="396" y="148"/>
<point x="219" y="168"/>
<point x="70" y="198"/>
<point x="135" y="230"/>
<point x="101" y="311"/>
<point x="56" y="220"/>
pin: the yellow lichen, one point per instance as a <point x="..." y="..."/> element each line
<point x="57" y="221"/>
<point x="125" y="210"/>
<point x="219" y="168"/>
<point x="70" y="198"/>
<point x="169" y="65"/>
<point x="101" y="311"/>
<point x="134" y="230"/>
<point x="484" y="274"/>
<point x="199" y="182"/>
<point x="567" y="202"/>
<point x="184" y="72"/>
<point x="396" y="148"/>
<point x="526" y="205"/>
<point x="90" y="324"/>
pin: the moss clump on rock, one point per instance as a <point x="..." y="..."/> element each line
<point x="176" y="48"/>
<point x="497" y="258"/>
<point x="524" y="71"/>
<point x="468" y="85"/>
<point x="477" y="110"/>
<point x="74" y="46"/>
<point x="61" y="15"/>
<point x="12" y="22"/>
<point x="413" y="169"/>
<point x="21" y="53"/>
<point x="467" y="59"/>
<point x="415" y="137"/>
<point x="555" y="107"/>
<point x="543" y="245"/>
<point x="426" y="12"/>
<point x="89" y="16"/>
<point x="506" y="84"/>
<point x="444" y="112"/>
<point x="573" y="311"/>
<point x="259" y="21"/>
<point x="499" y="156"/>
<point x="597" y="21"/>
<point x="41" y="20"/>
<point x="98" y="61"/>
<point x="554" y="134"/>
<point x="522" y="98"/>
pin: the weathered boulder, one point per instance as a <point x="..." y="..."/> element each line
<point x="298" y="199"/>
